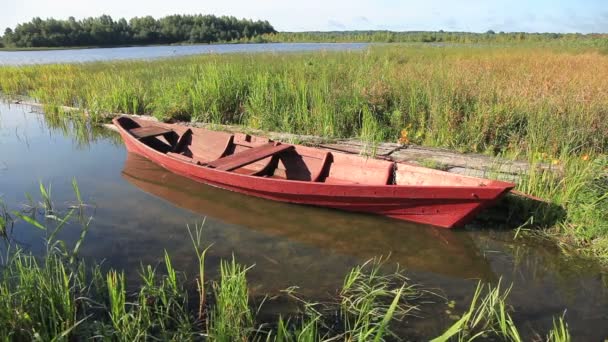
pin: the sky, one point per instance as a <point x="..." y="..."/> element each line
<point x="583" y="16"/>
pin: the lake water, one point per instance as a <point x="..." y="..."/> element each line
<point x="140" y="209"/>
<point x="152" y="52"/>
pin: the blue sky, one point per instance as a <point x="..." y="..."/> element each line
<point x="302" y="15"/>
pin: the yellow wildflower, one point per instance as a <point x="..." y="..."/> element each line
<point x="403" y="139"/>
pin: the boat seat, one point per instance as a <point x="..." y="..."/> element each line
<point x="154" y="131"/>
<point x="150" y="131"/>
<point x="249" y="156"/>
<point x="244" y="142"/>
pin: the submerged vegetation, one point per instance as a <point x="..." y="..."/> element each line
<point x="540" y="104"/>
<point x="56" y="296"/>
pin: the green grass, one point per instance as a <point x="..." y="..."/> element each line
<point x="231" y="318"/>
<point x="540" y="103"/>
<point x="370" y="300"/>
<point x="470" y="99"/>
<point x="6" y="220"/>
<point x="488" y="318"/>
<point x="487" y="315"/>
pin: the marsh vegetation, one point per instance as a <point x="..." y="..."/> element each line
<point x="541" y="104"/>
<point x="490" y="36"/>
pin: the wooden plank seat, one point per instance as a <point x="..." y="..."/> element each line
<point x="242" y="170"/>
<point x="243" y="142"/>
<point x="249" y="156"/>
<point x="150" y="131"/>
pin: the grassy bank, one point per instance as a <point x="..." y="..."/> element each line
<point x="56" y="296"/>
<point x="474" y="99"/>
<point x="541" y="104"/>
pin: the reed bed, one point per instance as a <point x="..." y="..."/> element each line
<point x="473" y="99"/>
<point x="544" y="104"/>
<point x="56" y="296"/>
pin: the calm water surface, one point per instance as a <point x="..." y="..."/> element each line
<point x="151" y="52"/>
<point x="141" y="209"/>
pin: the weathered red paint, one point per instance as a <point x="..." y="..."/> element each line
<point x="317" y="177"/>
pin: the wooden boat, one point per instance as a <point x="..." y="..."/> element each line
<point x="298" y="174"/>
<point x="328" y="232"/>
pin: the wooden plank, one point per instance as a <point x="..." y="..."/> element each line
<point x="442" y="158"/>
<point x="507" y="177"/>
<point x="429" y="156"/>
<point x="252" y="155"/>
<point x="150" y="131"/>
<point x="359" y="147"/>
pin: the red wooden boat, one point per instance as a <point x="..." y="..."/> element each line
<point x="327" y="231"/>
<point x="305" y="175"/>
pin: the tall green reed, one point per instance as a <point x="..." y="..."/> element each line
<point x="231" y="319"/>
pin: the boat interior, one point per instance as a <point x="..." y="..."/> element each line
<point x="250" y="155"/>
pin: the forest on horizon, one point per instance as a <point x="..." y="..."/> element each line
<point x="191" y="29"/>
<point x="105" y="31"/>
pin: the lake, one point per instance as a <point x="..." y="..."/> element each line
<point x="140" y="209"/>
<point x="164" y="51"/>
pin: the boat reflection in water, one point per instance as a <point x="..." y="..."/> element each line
<point x="361" y="236"/>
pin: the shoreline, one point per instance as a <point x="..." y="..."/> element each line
<point x="469" y="164"/>
<point x="89" y="47"/>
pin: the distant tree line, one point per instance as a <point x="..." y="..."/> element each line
<point x="434" y="37"/>
<point x="104" y="31"/>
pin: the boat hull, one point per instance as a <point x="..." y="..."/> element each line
<point x="442" y="206"/>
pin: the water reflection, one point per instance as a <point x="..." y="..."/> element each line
<point x="77" y="127"/>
